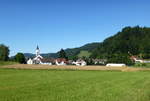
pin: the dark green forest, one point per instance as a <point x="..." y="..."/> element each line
<point x="129" y="41"/>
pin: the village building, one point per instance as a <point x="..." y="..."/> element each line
<point x="79" y="62"/>
<point x="39" y="59"/>
<point x="138" y="60"/>
<point x="99" y="61"/>
<point x="61" y="61"/>
<point x="46" y="61"/>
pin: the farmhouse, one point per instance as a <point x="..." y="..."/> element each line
<point x="61" y="61"/>
<point x="80" y="62"/>
<point x="137" y="60"/>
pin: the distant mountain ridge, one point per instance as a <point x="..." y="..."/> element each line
<point x="69" y="51"/>
<point x="46" y="55"/>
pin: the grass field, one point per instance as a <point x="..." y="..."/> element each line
<point x="72" y="85"/>
<point x="2" y="63"/>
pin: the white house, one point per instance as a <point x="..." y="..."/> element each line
<point x="139" y="60"/>
<point x="30" y="61"/>
<point x="60" y="64"/>
<point x="80" y="63"/>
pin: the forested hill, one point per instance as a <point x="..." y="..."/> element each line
<point x="76" y="51"/>
<point x="131" y="40"/>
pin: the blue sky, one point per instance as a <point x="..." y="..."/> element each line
<point x="56" y="24"/>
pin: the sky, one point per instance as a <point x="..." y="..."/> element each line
<point x="56" y="24"/>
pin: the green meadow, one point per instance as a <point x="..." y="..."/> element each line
<point x="2" y="63"/>
<point x="71" y="85"/>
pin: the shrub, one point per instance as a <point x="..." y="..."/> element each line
<point x="120" y="58"/>
<point x="20" y="58"/>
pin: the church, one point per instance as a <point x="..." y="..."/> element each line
<point x="39" y="59"/>
<point x="45" y="61"/>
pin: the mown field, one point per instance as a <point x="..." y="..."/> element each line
<point x="73" y="85"/>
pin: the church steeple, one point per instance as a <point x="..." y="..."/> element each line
<point x="37" y="47"/>
<point x="37" y="51"/>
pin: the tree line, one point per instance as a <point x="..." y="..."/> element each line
<point x="4" y="55"/>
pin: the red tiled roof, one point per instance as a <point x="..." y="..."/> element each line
<point x="62" y="59"/>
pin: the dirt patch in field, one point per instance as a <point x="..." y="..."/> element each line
<point x="25" y="66"/>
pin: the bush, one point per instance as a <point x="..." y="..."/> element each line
<point x="120" y="58"/>
<point x="20" y="58"/>
<point x="89" y="61"/>
<point x="147" y="65"/>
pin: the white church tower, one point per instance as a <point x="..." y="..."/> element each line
<point x="37" y="59"/>
<point x="37" y="51"/>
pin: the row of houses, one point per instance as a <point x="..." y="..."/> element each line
<point x="50" y="61"/>
<point x="62" y="61"/>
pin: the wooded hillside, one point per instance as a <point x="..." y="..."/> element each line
<point x="131" y="40"/>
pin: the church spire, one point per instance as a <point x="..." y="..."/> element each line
<point x="37" y="51"/>
<point x="37" y="47"/>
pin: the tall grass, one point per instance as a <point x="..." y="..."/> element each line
<point x="55" y="85"/>
<point x="2" y="63"/>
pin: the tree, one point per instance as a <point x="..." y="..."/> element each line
<point x="89" y="61"/>
<point x="4" y="53"/>
<point x="62" y="54"/>
<point x="120" y="58"/>
<point x="19" y="57"/>
<point x="74" y="58"/>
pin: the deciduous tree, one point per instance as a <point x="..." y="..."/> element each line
<point x="19" y="57"/>
<point x="4" y="53"/>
